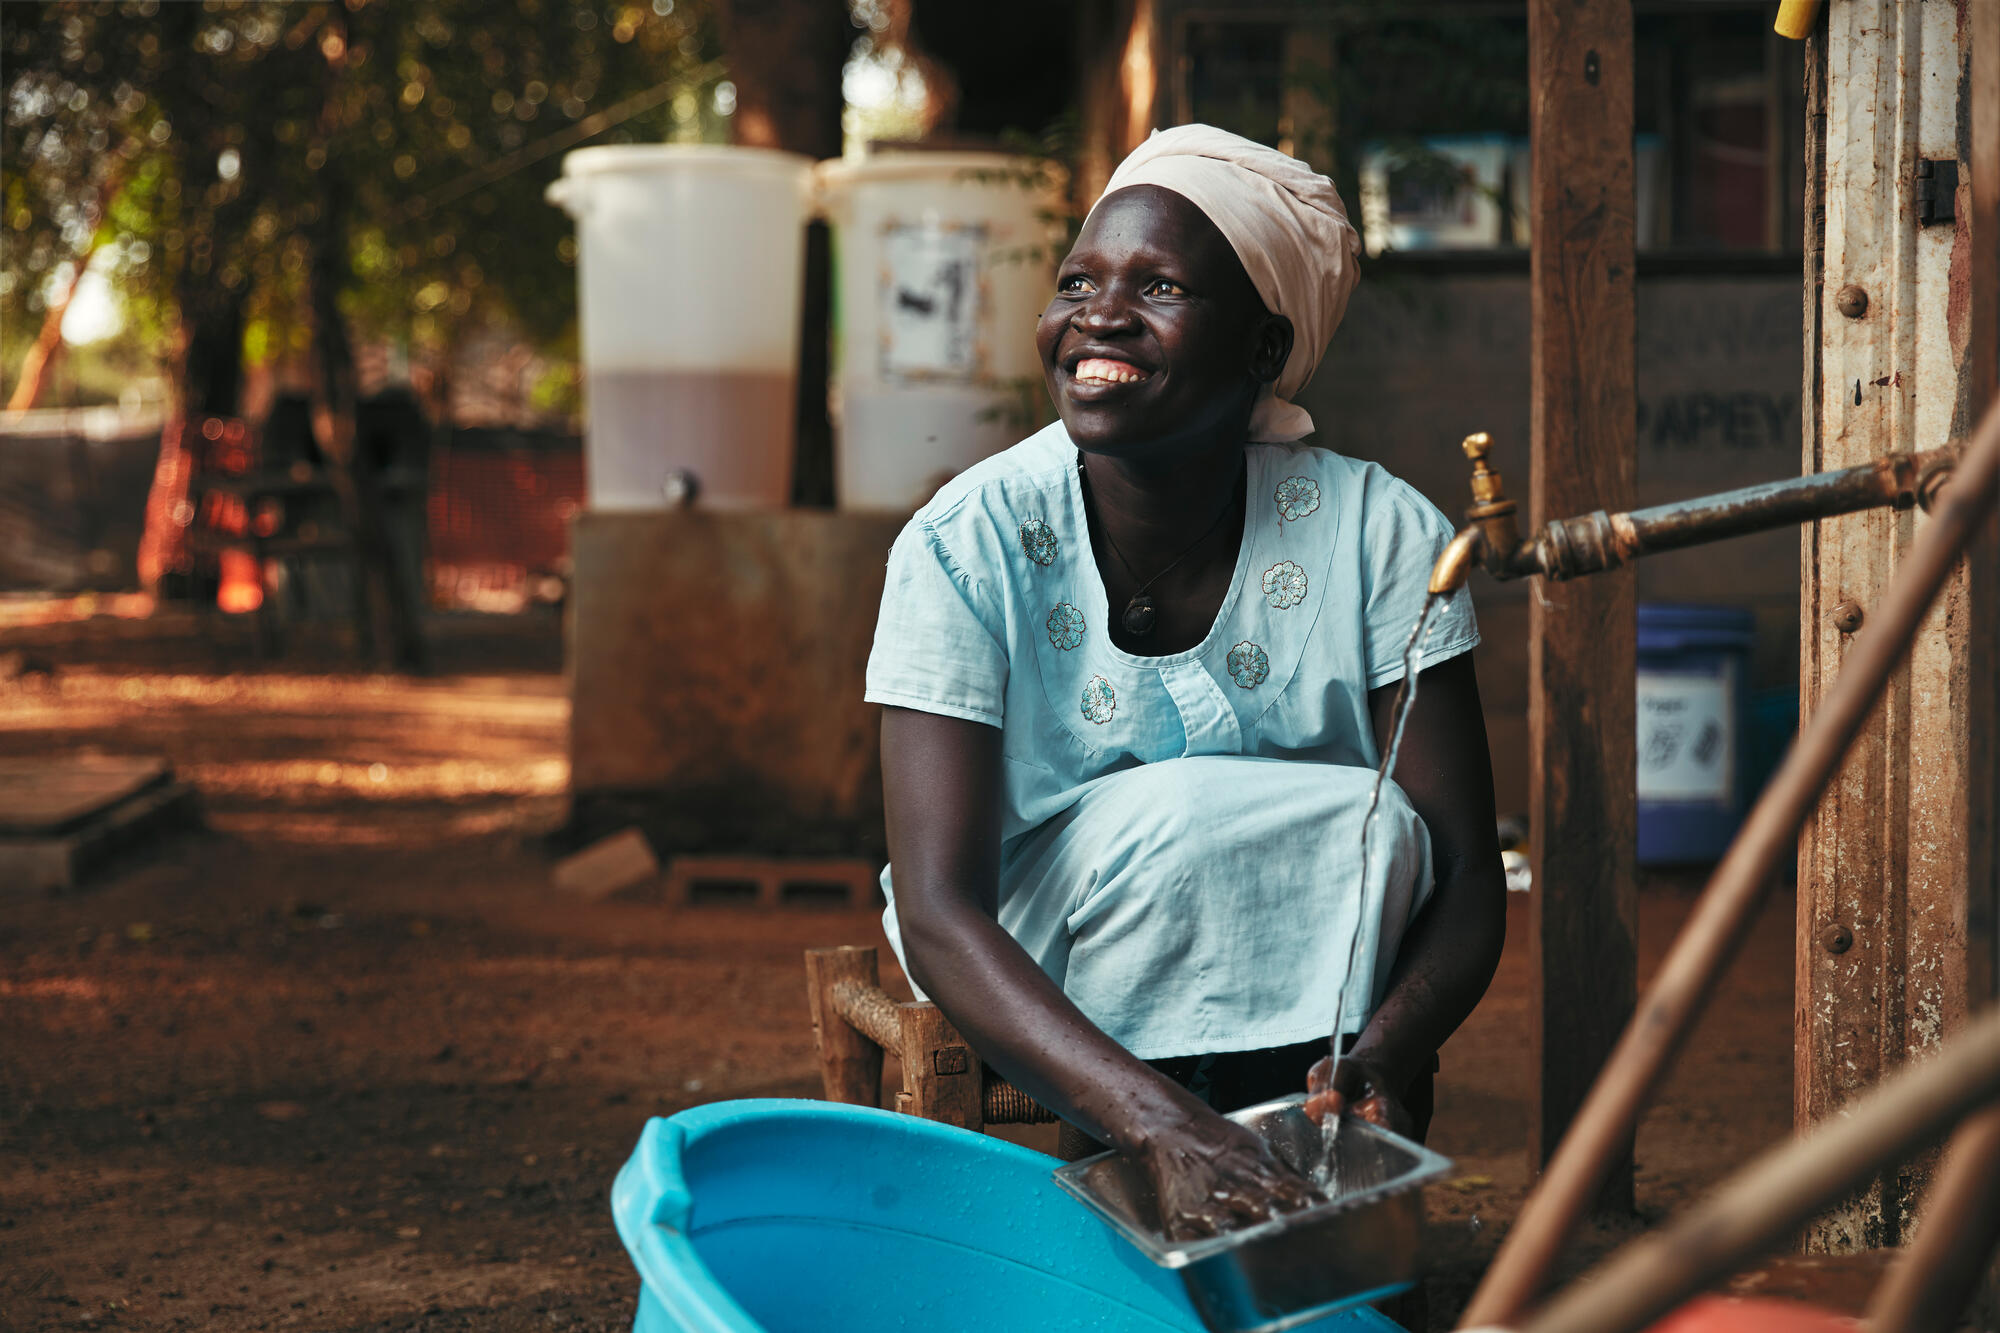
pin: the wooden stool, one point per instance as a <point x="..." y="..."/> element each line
<point x="855" y="1021"/>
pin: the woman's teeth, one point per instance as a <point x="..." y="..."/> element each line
<point x="1098" y="370"/>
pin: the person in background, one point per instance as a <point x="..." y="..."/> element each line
<point x="1137" y="674"/>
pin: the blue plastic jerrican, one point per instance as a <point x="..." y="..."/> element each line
<point x="776" y="1216"/>
<point x="1694" y="767"/>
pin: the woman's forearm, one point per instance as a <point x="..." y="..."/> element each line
<point x="1022" y="1024"/>
<point x="1447" y="957"/>
<point x="1450" y="951"/>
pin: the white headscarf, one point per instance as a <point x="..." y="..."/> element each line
<point x="1288" y="227"/>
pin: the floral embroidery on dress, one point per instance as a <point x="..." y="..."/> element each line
<point x="1284" y="585"/>
<point x="1099" y="700"/>
<point x="1065" y="626"/>
<point x="1248" y="666"/>
<point x="1297" y="497"/>
<point x="1039" y="541"/>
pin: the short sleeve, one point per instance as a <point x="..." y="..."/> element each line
<point x="1402" y="538"/>
<point x="936" y="650"/>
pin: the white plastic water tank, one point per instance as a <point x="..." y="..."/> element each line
<point x="944" y="262"/>
<point x="690" y="268"/>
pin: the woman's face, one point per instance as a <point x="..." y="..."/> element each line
<point x="1156" y="336"/>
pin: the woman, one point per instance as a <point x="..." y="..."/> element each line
<point x="1137" y="673"/>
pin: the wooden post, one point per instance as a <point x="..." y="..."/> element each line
<point x="1982" y="656"/>
<point x="850" y="1064"/>
<point x="1895" y="869"/>
<point x="1581" y="649"/>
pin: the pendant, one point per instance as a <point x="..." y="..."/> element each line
<point x="1138" y="616"/>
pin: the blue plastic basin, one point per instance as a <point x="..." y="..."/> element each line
<point x="807" y="1217"/>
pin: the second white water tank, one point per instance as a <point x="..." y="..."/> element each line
<point x="944" y="262"/>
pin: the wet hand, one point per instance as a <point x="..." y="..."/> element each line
<point x="1358" y="1088"/>
<point x="1212" y="1175"/>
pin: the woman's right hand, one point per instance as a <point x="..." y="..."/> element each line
<point x="1211" y="1175"/>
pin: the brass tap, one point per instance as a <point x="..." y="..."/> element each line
<point x="1455" y="564"/>
<point x="1490" y="534"/>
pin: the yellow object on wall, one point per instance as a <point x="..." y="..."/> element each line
<point x="1796" y="18"/>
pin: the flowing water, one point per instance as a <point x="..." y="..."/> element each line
<point x="1327" y="1176"/>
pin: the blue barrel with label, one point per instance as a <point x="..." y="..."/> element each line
<point x="1694" y="699"/>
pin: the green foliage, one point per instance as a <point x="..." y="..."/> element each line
<point x="224" y="125"/>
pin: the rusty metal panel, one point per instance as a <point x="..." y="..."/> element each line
<point x="1883" y="893"/>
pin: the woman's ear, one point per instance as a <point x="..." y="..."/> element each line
<point x="1271" y="347"/>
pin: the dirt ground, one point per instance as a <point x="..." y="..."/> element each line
<point x="343" y="1059"/>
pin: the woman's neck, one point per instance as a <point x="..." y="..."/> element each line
<point x="1152" y="513"/>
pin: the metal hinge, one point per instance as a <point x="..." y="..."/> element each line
<point x="1937" y="191"/>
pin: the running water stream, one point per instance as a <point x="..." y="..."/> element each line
<point x="1327" y="1175"/>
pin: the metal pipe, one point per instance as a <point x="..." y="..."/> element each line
<point x="1762" y="1205"/>
<point x="1721" y="917"/>
<point x="1890" y="481"/>
<point x="1568" y="548"/>
<point x="1933" y="1281"/>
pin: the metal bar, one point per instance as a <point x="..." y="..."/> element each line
<point x="1727" y="906"/>
<point x="1762" y="1205"/>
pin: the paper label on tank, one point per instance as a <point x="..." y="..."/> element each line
<point x="1687" y="748"/>
<point x="930" y="301"/>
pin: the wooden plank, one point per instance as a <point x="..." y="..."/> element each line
<point x="46" y="863"/>
<point x="1581" y="656"/>
<point x="1883" y="958"/>
<point x="46" y="796"/>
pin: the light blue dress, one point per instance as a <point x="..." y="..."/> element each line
<point x="1181" y="834"/>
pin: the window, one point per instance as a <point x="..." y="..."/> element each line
<point x="1423" y="121"/>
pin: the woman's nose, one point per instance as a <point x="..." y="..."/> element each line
<point x="1104" y="312"/>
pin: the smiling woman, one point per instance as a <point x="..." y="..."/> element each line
<point x="1123" y="844"/>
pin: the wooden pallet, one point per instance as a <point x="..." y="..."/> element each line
<point x="61" y="817"/>
<point x="761" y="881"/>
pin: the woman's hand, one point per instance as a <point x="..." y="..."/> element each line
<point x="1355" y="1087"/>
<point x="1212" y="1175"/>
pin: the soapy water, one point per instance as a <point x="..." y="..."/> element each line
<point x="1326" y="1174"/>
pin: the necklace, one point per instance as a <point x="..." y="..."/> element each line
<point x="1140" y="614"/>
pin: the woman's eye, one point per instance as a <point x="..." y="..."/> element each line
<point x="1075" y="285"/>
<point x="1166" y="287"/>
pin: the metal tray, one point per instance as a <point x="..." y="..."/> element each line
<point x="1362" y="1244"/>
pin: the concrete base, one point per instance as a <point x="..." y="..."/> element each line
<point x="716" y="664"/>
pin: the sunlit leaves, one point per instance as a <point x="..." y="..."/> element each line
<point x="214" y="110"/>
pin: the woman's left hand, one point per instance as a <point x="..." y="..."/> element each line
<point x="1356" y="1087"/>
